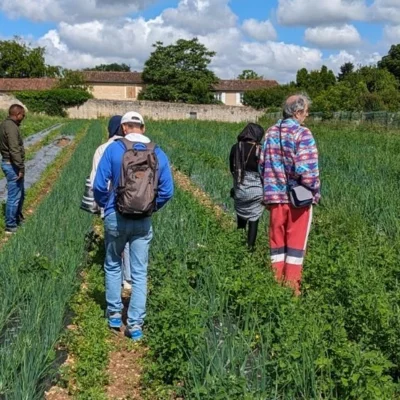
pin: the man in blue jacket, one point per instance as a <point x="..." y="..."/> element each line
<point x="119" y="229"/>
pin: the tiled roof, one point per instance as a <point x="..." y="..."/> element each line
<point x="128" y="78"/>
<point x="242" y="85"/>
<point x="16" y="84"/>
<point x="113" y="77"/>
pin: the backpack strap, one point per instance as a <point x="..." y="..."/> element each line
<point x="151" y="146"/>
<point x="127" y="143"/>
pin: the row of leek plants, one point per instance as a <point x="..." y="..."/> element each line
<point x="34" y="123"/>
<point x="349" y="312"/>
<point x="38" y="275"/>
<point x="219" y="327"/>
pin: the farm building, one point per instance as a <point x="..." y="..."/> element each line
<point x="128" y="85"/>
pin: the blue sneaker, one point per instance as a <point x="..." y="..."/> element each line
<point x="135" y="333"/>
<point x="115" y="320"/>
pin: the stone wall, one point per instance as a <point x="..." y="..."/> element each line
<point x="164" y="111"/>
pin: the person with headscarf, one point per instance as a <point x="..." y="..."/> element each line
<point x="114" y="132"/>
<point x="247" y="184"/>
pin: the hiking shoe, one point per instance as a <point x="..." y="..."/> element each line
<point x="10" y="230"/>
<point x="127" y="285"/>
<point x="20" y="220"/>
<point x="115" y="320"/>
<point x="135" y="333"/>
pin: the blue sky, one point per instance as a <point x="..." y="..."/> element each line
<point x="273" y="37"/>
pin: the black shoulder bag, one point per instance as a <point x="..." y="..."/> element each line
<point x="299" y="195"/>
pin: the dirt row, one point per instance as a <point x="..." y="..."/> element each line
<point x="125" y="360"/>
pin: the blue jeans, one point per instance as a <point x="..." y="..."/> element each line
<point x="138" y="233"/>
<point x="15" y="194"/>
<point x="126" y="264"/>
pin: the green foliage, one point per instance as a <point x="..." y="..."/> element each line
<point x="32" y="311"/>
<point x="111" y="67"/>
<point x="72" y="80"/>
<point x="369" y="88"/>
<point x="314" y="82"/>
<point x="268" y="98"/>
<point x="54" y="101"/>
<point x="179" y="73"/>
<point x="34" y="123"/>
<point x="345" y="70"/>
<point x="20" y="60"/>
<point x="239" y="335"/>
<point x="391" y="62"/>
<point x="89" y="343"/>
<point x="249" y="74"/>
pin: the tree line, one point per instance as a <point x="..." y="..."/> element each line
<point x="180" y="73"/>
<point x="355" y="88"/>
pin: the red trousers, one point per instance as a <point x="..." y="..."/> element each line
<point x="288" y="233"/>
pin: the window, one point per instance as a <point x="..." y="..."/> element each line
<point x="130" y="92"/>
<point x="218" y="96"/>
<point x="241" y="97"/>
<point x="193" y="115"/>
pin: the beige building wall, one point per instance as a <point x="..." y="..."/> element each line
<point x="110" y="92"/>
<point x="165" y="111"/>
<point x="115" y="91"/>
<point x="231" y="99"/>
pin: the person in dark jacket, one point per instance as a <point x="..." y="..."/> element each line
<point x="13" y="165"/>
<point x="247" y="185"/>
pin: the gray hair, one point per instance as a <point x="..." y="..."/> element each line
<point x="294" y="104"/>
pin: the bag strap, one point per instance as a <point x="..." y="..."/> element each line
<point x="283" y="156"/>
<point x="127" y="143"/>
<point x="130" y="145"/>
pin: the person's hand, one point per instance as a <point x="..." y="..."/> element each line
<point x="20" y="176"/>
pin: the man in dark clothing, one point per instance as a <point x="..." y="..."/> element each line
<point x="13" y="165"/>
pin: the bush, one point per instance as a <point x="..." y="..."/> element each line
<point x="267" y="98"/>
<point x="54" y="101"/>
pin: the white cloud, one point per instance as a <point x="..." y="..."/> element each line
<point x="259" y="30"/>
<point x="317" y="12"/>
<point x="391" y="34"/>
<point x="385" y="10"/>
<point x="71" y="10"/>
<point x="335" y="61"/>
<point x="85" y="43"/>
<point x="200" y="16"/>
<point x="333" y="37"/>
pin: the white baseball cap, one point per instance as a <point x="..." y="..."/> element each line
<point x="132" y="116"/>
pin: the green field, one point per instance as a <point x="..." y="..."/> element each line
<point x="218" y="325"/>
<point x="340" y="340"/>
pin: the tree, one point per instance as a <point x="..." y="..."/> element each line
<point x="179" y="73"/>
<point x="248" y="74"/>
<point x="111" y="67"/>
<point x="270" y="98"/>
<point x="345" y="70"/>
<point x="391" y="62"/>
<point x="20" y="60"/>
<point x="327" y="77"/>
<point x="302" y="78"/>
<point x="314" y="82"/>
<point x="72" y="80"/>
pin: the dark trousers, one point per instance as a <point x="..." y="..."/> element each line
<point x="251" y="232"/>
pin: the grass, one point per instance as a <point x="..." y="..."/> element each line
<point x="39" y="276"/>
<point x="218" y="325"/>
<point x="34" y="123"/>
<point x="50" y="175"/>
<point x="339" y="340"/>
